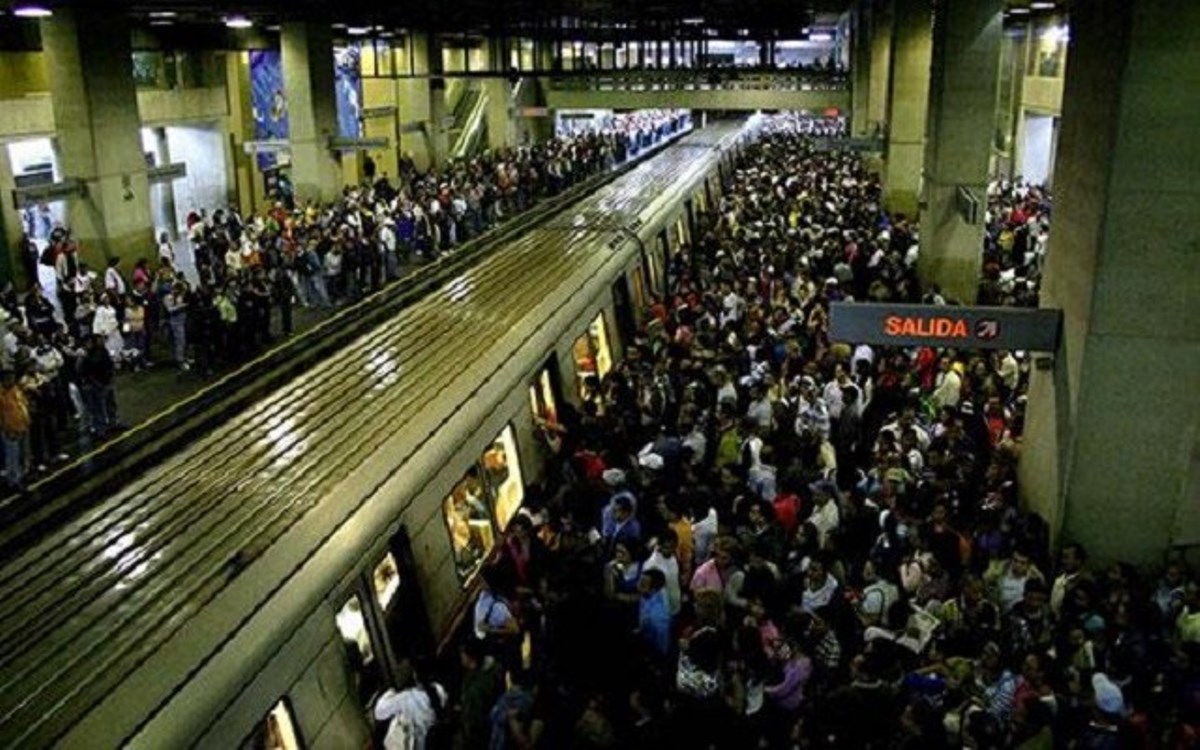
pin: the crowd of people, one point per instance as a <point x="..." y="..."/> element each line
<point x="756" y="537"/>
<point x="1014" y="246"/>
<point x="65" y="339"/>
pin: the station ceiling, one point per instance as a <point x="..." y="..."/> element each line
<point x="784" y="16"/>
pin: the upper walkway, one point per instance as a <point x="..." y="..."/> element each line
<point x="724" y="89"/>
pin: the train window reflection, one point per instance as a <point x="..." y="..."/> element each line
<point x="470" y="523"/>
<point x="386" y="580"/>
<point x="503" y="468"/>
<point x="276" y="732"/>
<point x="351" y="623"/>
<point x="541" y="399"/>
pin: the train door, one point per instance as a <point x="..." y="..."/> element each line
<point x="627" y="321"/>
<point x="659" y="258"/>
<point x="593" y="359"/>
<point x="501" y="464"/>
<point x="361" y="637"/>
<point x="483" y="502"/>
<point x="400" y="601"/>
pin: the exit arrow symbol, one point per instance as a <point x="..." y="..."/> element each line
<point x="987" y="329"/>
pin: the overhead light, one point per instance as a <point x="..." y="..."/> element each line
<point x="162" y="14"/>
<point x="162" y="22"/>
<point x="386" y="34"/>
<point x="1018" y="11"/>
<point x="358" y="30"/>
<point x="1041" y="5"/>
<point x="238" y="22"/>
<point x="1057" y="34"/>
<point x="338" y="26"/>
<point x="693" y="21"/>
<point x="821" y="36"/>
<point x="32" y="11"/>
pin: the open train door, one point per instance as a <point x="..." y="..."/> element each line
<point x="404" y="615"/>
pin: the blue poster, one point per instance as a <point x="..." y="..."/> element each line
<point x="347" y="78"/>
<point x="268" y="101"/>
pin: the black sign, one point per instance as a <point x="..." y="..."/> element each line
<point x="945" y="326"/>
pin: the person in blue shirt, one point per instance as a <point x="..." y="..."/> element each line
<point x="654" y="612"/>
<point x="619" y="524"/>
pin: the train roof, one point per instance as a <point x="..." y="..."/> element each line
<point x="98" y="600"/>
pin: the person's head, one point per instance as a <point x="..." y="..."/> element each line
<point x="1035" y="595"/>
<point x="1021" y="563"/>
<point x="622" y="554"/>
<point x="816" y="574"/>
<point x="668" y="543"/>
<point x="725" y="552"/>
<point x="651" y="582"/>
<point x="114" y="261"/>
<point x="471" y="654"/>
<point x="1072" y="558"/>
<point x="622" y="508"/>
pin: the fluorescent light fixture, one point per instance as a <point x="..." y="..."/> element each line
<point x="1056" y="34"/>
<point x="1018" y="11"/>
<point x="162" y="22"/>
<point x="238" y="22"/>
<point x="821" y="36"/>
<point x="32" y="11"/>
<point x="162" y="14"/>
<point x="693" y="21"/>
<point x="358" y="30"/>
<point x="1041" y="5"/>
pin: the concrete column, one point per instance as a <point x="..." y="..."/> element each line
<point x="12" y="267"/>
<point x="860" y="69"/>
<point x="98" y="132"/>
<point x="962" y="117"/>
<point x="880" y="29"/>
<point x="1110" y="455"/>
<point x="439" y="140"/>
<point x="499" y="112"/>
<point x="908" y="102"/>
<point x="241" y="174"/>
<point x="307" y="54"/>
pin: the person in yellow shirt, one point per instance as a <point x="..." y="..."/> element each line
<point x="14" y="426"/>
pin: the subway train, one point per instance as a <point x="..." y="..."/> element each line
<point x="261" y="587"/>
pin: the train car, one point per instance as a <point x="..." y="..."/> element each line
<point x="263" y="586"/>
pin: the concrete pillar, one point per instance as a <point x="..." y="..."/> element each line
<point x="499" y="112"/>
<point x="11" y="229"/>
<point x="860" y="69"/>
<point x="880" y="29"/>
<point x="98" y="132"/>
<point x="962" y="117"/>
<point x="908" y="103"/>
<point x="439" y="139"/>
<point x="307" y="54"/>
<point x="241" y="173"/>
<point x="1110" y="455"/>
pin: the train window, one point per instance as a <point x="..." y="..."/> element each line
<point x="386" y="580"/>
<point x="351" y="623"/>
<point x="502" y="467"/>
<point x="276" y="732"/>
<point x="470" y="523"/>
<point x="541" y="399"/>
<point x="593" y="358"/>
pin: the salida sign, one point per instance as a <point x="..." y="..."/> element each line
<point x="943" y="326"/>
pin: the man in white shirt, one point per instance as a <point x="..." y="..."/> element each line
<point x="948" y="388"/>
<point x="663" y="559"/>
